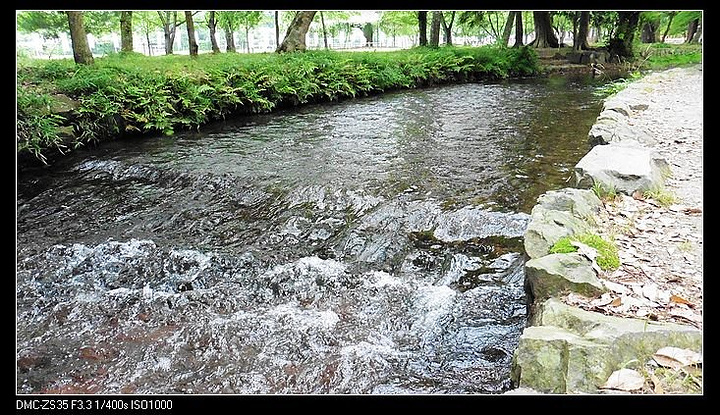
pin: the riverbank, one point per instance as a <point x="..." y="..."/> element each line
<point x="607" y="320"/>
<point x="62" y="106"/>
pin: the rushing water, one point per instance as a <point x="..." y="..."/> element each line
<point x="369" y="246"/>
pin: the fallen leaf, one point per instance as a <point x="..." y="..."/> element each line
<point x="588" y="252"/>
<point x="613" y="286"/>
<point x="624" y="379"/>
<point x="675" y="357"/>
<point x="604" y="300"/>
<point x="657" y="386"/>
<point x="677" y="299"/>
<point x="687" y="315"/>
<point x="653" y="293"/>
<point x="616" y="302"/>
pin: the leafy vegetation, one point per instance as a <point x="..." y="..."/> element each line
<point x="131" y="93"/>
<point x="607" y="258"/>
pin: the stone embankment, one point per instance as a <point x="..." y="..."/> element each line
<point x="586" y="324"/>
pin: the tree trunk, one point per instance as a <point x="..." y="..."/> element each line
<point x="147" y="37"/>
<point x="126" y="37"/>
<point x="247" y="38"/>
<point x="544" y="35"/>
<point x="322" y="21"/>
<point x="621" y="43"/>
<point x="212" y="25"/>
<point x="508" y="29"/>
<point x="518" y="30"/>
<point x="192" y="43"/>
<point x="580" y="42"/>
<point x="698" y="33"/>
<point x="648" y="33"/>
<point x="447" y="28"/>
<point x="229" y="41"/>
<point x="296" y="33"/>
<point x="692" y="29"/>
<point x="667" y="29"/>
<point x="277" y="28"/>
<point x="422" y="27"/>
<point x="81" y="50"/>
<point x="169" y="30"/>
<point x="435" y="29"/>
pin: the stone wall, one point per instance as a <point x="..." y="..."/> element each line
<point x="565" y="349"/>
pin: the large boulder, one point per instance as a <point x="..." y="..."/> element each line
<point x="555" y="274"/>
<point x="626" y="167"/>
<point x="613" y="127"/>
<point x="559" y="213"/>
<point x="570" y="350"/>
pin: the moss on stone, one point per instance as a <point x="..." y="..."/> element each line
<point x="607" y="258"/>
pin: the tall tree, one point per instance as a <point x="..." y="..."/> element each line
<point x="692" y="30"/>
<point x="277" y="28"/>
<point x="170" y="23"/>
<point x="78" y="37"/>
<point x="544" y="35"/>
<point x="435" y="29"/>
<point x="324" y="30"/>
<point x="229" y="21"/>
<point x="508" y="28"/>
<point x="422" y="27"/>
<point x="296" y="32"/>
<point x="671" y="16"/>
<point x="650" y="23"/>
<point x="146" y="22"/>
<point x="212" y="26"/>
<point x="471" y="22"/>
<point x="580" y="41"/>
<point x="248" y="20"/>
<point x="447" y="27"/>
<point x="621" y="43"/>
<point x="192" y="43"/>
<point x="518" y="30"/>
<point x="396" y="23"/>
<point x="126" y="36"/>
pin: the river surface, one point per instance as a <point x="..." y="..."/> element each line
<point x="368" y="246"/>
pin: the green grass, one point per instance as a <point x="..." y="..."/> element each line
<point x="607" y="258"/>
<point x="658" y="56"/>
<point x="661" y="195"/>
<point x="606" y="193"/>
<point x="133" y="93"/>
<point x="654" y="56"/>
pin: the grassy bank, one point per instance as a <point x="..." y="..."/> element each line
<point x="136" y="94"/>
<point x="657" y="56"/>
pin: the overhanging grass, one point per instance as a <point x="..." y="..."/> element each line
<point x="133" y="93"/>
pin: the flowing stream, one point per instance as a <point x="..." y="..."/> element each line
<point x="368" y="246"/>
